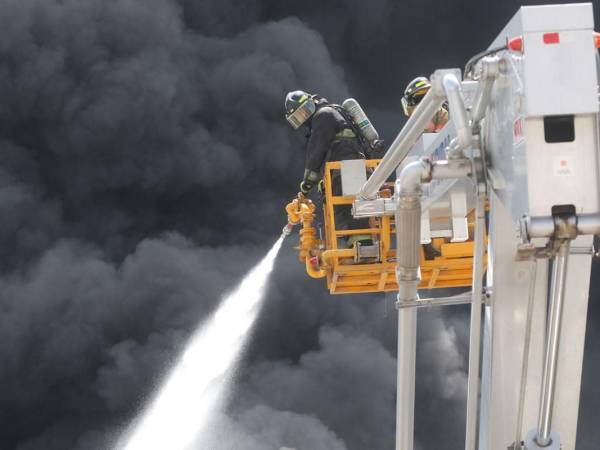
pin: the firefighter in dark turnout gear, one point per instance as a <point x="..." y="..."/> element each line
<point x="332" y="136"/>
<point x="413" y="94"/>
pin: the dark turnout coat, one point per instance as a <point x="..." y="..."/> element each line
<point x="330" y="139"/>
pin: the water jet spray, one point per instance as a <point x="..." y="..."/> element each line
<point x="197" y="386"/>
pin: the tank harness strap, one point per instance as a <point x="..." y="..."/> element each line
<point x="353" y="127"/>
<point x="346" y="133"/>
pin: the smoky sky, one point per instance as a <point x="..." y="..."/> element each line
<point x="145" y="165"/>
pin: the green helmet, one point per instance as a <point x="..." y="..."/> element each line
<point x="299" y="107"/>
<point x="414" y="93"/>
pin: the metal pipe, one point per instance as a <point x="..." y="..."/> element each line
<point x="437" y="301"/>
<point x="328" y="255"/>
<point x="408" y="217"/>
<point x="540" y="226"/>
<point x="405" y="385"/>
<point x="408" y="227"/>
<point x="545" y="226"/>
<point x="482" y="99"/>
<point x="412" y="176"/>
<point x="455" y="150"/>
<point x="489" y="72"/>
<point x="588" y="224"/>
<point x="455" y="168"/>
<point x="458" y="111"/>
<point x="408" y="238"/>
<point x="314" y="272"/>
<point x="525" y="357"/>
<point x="557" y="294"/>
<point x="475" y="334"/>
<point x="407" y="137"/>
<point x="408" y="243"/>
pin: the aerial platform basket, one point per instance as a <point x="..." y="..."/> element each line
<point x="372" y="268"/>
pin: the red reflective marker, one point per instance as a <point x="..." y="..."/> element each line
<point x="515" y="44"/>
<point x="551" y="38"/>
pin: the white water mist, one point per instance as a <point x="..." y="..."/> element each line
<point x="199" y="382"/>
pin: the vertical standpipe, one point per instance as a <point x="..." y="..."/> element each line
<point x="408" y="230"/>
<point x="557" y="294"/>
<point x="405" y="386"/>
<point x="408" y="239"/>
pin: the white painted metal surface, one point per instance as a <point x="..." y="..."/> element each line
<point x="561" y="173"/>
<point x="354" y="175"/>
<point x="505" y="327"/>
<point x="549" y="67"/>
<point x="534" y="163"/>
<point x="529" y="175"/>
<point x="555" y="75"/>
<point x="458" y="206"/>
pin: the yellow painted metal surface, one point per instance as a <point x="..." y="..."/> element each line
<point x="449" y="266"/>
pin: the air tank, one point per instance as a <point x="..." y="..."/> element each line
<point x="361" y="119"/>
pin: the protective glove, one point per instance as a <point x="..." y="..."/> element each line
<point x="305" y="187"/>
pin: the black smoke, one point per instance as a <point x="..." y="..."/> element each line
<point x="145" y="163"/>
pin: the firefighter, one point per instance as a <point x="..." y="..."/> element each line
<point x="331" y="137"/>
<point x="413" y="94"/>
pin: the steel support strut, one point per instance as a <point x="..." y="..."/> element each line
<point x="475" y="333"/>
<point x="557" y="294"/>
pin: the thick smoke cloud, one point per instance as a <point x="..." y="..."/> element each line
<point x="312" y="385"/>
<point x="145" y="161"/>
<point x="132" y="123"/>
<point x="261" y="427"/>
<point x="126" y="125"/>
<point x="83" y="337"/>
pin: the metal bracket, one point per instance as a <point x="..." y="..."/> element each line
<point x="528" y="252"/>
<point x="463" y="299"/>
<point x="367" y="252"/>
<point x="531" y="443"/>
<point x="564" y="227"/>
<point x="373" y="208"/>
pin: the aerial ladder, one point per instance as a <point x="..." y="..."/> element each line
<point x="505" y="200"/>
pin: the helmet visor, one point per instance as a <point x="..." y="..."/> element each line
<point x="302" y="114"/>
<point x="408" y="109"/>
<point x="409" y="104"/>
